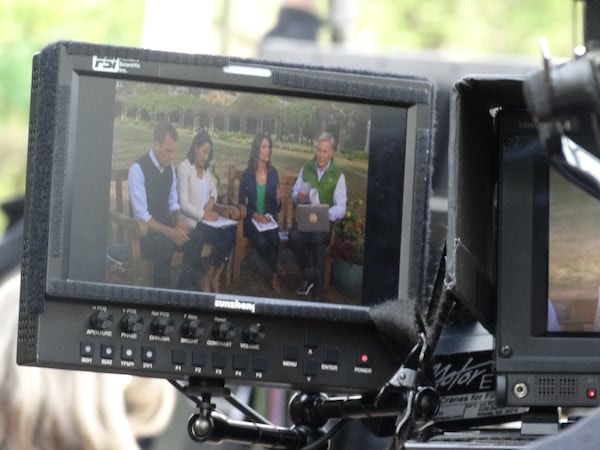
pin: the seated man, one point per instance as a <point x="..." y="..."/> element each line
<point x="318" y="181"/>
<point x="153" y="196"/>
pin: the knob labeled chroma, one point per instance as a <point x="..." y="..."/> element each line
<point x="162" y="326"/>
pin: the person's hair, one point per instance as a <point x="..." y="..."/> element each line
<point x="162" y="129"/>
<point x="200" y="139"/>
<point x="255" y="149"/>
<point x="51" y="409"/>
<point x="327" y="136"/>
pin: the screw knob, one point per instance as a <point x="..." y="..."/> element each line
<point x="223" y="331"/>
<point x="101" y="320"/>
<point x="132" y="323"/>
<point x="254" y="333"/>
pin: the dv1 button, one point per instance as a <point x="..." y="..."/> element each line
<point x="148" y="354"/>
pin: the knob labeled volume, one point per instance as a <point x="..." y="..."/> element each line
<point x="223" y="331"/>
<point x="254" y="333"/>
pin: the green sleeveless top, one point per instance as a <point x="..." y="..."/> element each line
<point x="261" y="189"/>
<point x="328" y="181"/>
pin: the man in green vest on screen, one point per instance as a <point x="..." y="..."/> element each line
<point x="320" y="182"/>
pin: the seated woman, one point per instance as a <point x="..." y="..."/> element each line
<point x="260" y="192"/>
<point x="197" y="196"/>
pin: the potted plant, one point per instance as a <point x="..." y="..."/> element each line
<point x="348" y="249"/>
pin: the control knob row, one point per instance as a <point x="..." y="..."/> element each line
<point x="165" y="326"/>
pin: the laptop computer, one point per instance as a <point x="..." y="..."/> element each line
<point x="312" y="218"/>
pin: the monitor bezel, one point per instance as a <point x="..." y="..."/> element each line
<point x="523" y="344"/>
<point x="59" y="67"/>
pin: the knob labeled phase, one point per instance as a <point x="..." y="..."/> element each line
<point x="132" y="323"/>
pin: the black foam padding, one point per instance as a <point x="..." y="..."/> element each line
<point x="39" y="177"/>
<point x="396" y="323"/>
<point x="333" y="85"/>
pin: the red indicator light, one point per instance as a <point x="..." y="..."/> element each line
<point x="364" y="358"/>
<point x="591" y="393"/>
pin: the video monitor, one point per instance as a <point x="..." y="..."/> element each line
<point x="547" y="334"/>
<point x="92" y="281"/>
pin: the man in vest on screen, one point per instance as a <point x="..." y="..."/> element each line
<point x="153" y="196"/>
<point x="320" y="182"/>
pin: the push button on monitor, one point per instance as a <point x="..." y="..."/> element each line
<point x="290" y="353"/>
<point x="311" y="340"/>
<point x="240" y="362"/>
<point x="127" y="353"/>
<point x="259" y="364"/>
<point x="148" y="354"/>
<point x="198" y="359"/>
<point x="331" y="355"/>
<point x="178" y="357"/>
<point x="107" y="351"/>
<point x="311" y="368"/>
<point x="219" y="360"/>
<point x="86" y="349"/>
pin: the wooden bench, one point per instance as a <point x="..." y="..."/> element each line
<point x="285" y="220"/>
<point x="126" y="231"/>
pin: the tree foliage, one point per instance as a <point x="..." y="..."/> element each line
<point x="29" y="25"/>
<point x="471" y="26"/>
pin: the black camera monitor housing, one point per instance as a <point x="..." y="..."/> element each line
<point x="521" y="247"/>
<point x="89" y="299"/>
<point x="548" y="277"/>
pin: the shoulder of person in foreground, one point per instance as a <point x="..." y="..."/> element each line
<point x="52" y="409"/>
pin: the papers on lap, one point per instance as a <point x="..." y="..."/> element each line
<point x="221" y="222"/>
<point x="271" y="225"/>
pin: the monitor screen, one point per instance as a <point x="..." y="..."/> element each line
<point x="573" y="265"/>
<point x="110" y="137"/>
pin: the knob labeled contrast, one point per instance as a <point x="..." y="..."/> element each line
<point x="101" y="320"/>
<point x="132" y="323"/>
<point x="223" y="331"/>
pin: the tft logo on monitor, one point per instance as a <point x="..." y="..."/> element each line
<point x="103" y="64"/>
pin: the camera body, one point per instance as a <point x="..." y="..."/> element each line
<point x="513" y="250"/>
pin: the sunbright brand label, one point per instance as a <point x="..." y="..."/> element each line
<point x="466" y="384"/>
<point x="114" y="65"/>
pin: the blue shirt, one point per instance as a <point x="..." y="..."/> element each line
<point x="137" y="190"/>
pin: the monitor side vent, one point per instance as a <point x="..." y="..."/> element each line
<point x="556" y="387"/>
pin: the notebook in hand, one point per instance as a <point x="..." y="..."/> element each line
<point x="313" y="218"/>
